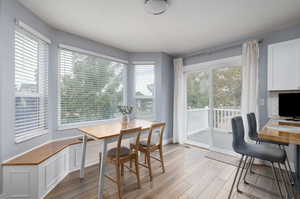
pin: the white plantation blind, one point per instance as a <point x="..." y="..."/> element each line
<point x="31" y="82"/>
<point x="145" y="91"/>
<point x="90" y="88"/>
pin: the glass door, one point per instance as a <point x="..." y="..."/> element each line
<point x="213" y="97"/>
<point x="197" y="108"/>
<point x="227" y="90"/>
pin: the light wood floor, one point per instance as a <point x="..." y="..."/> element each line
<point x="189" y="175"/>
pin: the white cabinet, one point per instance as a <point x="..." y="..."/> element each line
<point x="284" y="66"/>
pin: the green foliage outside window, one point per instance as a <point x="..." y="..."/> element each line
<point x="90" y="90"/>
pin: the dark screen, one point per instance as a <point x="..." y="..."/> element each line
<point x="289" y="104"/>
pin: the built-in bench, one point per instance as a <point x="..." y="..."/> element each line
<point x="34" y="174"/>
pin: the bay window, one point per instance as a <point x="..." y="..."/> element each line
<point x="90" y="88"/>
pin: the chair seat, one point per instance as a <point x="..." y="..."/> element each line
<point x="145" y="143"/>
<point x="270" y="142"/>
<point x="262" y="152"/>
<point x="124" y="151"/>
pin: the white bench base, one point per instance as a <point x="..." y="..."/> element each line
<point x="36" y="181"/>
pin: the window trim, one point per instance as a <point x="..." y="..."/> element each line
<point x="31" y="30"/>
<point x="34" y="35"/>
<point x="28" y="135"/>
<point x="153" y="97"/>
<point x="59" y="125"/>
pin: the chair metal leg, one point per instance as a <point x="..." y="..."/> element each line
<point x="284" y="181"/>
<point x="240" y="177"/>
<point x="236" y="174"/>
<point x="251" y="166"/>
<point x="277" y="181"/>
<point x="247" y="169"/>
<point x="290" y="173"/>
<point x="289" y="182"/>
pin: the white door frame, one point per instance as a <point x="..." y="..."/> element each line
<point x="206" y="67"/>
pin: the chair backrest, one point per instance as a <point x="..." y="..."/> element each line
<point x="125" y="132"/>
<point x="156" y="127"/>
<point x="238" y="132"/>
<point x="252" y="126"/>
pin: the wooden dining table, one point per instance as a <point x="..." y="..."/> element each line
<point x="107" y="133"/>
<point x="282" y="130"/>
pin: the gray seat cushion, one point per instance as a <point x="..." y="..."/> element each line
<point x="272" y="142"/>
<point x="262" y="152"/>
<point x="124" y="151"/>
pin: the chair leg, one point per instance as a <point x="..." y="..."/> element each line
<point x="119" y="184"/>
<point x="289" y="182"/>
<point x="277" y="181"/>
<point x="247" y="169"/>
<point x="290" y="173"/>
<point x="251" y="166"/>
<point x="130" y="162"/>
<point x="149" y="164"/>
<point x="137" y="170"/>
<point x="145" y="158"/>
<point x="236" y="174"/>
<point x="284" y="181"/>
<point x="240" y="177"/>
<point x="122" y="169"/>
<point x="162" y="159"/>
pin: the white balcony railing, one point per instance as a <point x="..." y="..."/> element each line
<point x="198" y="119"/>
<point x="222" y="118"/>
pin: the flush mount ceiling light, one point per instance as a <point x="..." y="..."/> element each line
<point x="156" y="7"/>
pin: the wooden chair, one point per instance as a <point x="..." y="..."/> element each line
<point x="120" y="155"/>
<point x="148" y="146"/>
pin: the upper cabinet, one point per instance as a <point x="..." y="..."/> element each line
<point x="284" y="66"/>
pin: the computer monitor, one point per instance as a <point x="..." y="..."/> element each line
<point x="289" y="105"/>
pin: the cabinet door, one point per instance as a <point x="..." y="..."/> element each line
<point x="283" y="66"/>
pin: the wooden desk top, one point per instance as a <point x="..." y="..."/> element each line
<point x="269" y="132"/>
<point x="40" y="154"/>
<point x="112" y="129"/>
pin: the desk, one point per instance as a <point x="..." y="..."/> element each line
<point x="287" y="132"/>
<point x="106" y="133"/>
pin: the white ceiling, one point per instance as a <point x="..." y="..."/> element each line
<point x="188" y="25"/>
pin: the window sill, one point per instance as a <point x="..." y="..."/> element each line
<point x="22" y="137"/>
<point x="82" y="124"/>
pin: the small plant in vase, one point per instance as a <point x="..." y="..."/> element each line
<point x="126" y="111"/>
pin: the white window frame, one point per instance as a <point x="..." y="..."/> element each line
<point x="61" y="127"/>
<point x="25" y="29"/>
<point x="153" y="64"/>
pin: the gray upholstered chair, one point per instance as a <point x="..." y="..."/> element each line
<point x="252" y="126"/>
<point x="250" y="151"/>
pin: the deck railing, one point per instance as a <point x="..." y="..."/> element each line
<point x="198" y="119"/>
<point x="222" y="118"/>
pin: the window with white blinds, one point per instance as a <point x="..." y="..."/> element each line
<point x="31" y="83"/>
<point x="90" y="88"/>
<point x="145" y="91"/>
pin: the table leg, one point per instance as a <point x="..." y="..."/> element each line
<point x="297" y="169"/>
<point x="103" y="150"/>
<point x="84" y="142"/>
